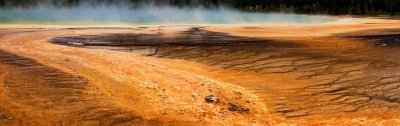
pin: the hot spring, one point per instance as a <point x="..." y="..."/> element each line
<point x="149" y="15"/>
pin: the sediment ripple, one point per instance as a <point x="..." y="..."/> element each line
<point x="54" y="97"/>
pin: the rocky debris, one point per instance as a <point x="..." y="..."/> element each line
<point x="4" y="116"/>
<point x="77" y="44"/>
<point x="75" y="76"/>
<point x="150" y="85"/>
<point x="211" y="99"/>
<point x="383" y="44"/>
<point x="236" y="107"/>
<point x="196" y="31"/>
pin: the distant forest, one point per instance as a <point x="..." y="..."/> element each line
<point x="332" y="7"/>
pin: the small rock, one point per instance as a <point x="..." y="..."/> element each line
<point x="238" y="108"/>
<point x="76" y="44"/>
<point x="66" y="59"/>
<point x="152" y="86"/>
<point x="168" y="100"/>
<point x="196" y="31"/>
<point x="237" y="92"/>
<point x="75" y="76"/>
<point x="211" y="99"/>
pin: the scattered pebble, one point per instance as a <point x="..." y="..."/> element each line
<point x="76" y="44"/>
<point x="75" y="76"/>
<point x="152" y="86"/>
<point x="211" y="99"/>
<point x="236" y="107"/>
<point x="383" y="44"/>
<point x="2" y="116"/>
<point x="238" y="92"/>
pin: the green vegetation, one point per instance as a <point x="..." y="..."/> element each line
<point x="332" y="7"/>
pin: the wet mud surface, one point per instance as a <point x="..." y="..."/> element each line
<point x="379" y="37"/>
<point x="35" y="94"/>
<point x="346" y="73"/>
<point x="195" y="36"/>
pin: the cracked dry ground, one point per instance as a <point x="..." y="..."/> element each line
<point x="313" y="77"/>
<point x="354" y="73"/>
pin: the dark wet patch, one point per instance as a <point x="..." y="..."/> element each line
<point x="253" y="28"/>
<point x="100" y="28"/>
<point x="193" y="37"/>
<point x="377" y="37"/>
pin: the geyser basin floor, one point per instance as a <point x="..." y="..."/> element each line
<point x="333" y="77"/>
<point x="341" y="77"/>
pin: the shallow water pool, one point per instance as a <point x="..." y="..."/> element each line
<point x="149" y="15"/>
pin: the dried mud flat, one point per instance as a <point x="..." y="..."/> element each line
<point x="201" y="75"/>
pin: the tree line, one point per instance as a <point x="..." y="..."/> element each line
<point x="332" y="7"/>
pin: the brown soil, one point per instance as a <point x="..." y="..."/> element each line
<point x="347" y="74"/>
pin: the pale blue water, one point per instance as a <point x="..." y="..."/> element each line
<point x="149" y="15"/>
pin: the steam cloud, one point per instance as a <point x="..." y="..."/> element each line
<point x="148" y="14"/>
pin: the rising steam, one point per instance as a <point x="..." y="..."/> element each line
<point x="148" y="14"/>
